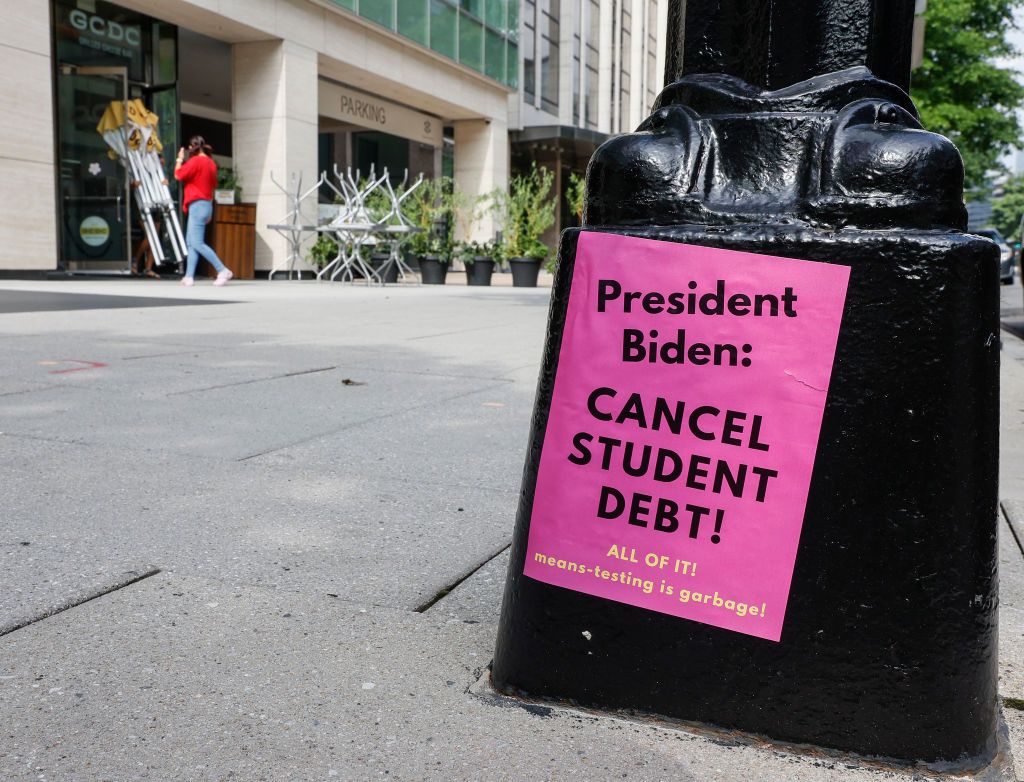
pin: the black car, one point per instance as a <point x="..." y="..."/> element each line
<point x="1007" y="267"/>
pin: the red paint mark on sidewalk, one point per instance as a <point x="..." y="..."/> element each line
<point x="88" y="365"/>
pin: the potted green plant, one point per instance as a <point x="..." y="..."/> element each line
<point x="479" y="260"/>
<point x="380" y="261"/>
<point x="525" y="212"/>
<point x="432" y="209"/>
<point x="576" y="195"/>
<point x="376" y="255"/>
<point x="228" y="190"/>
<point x="322" y="251"/>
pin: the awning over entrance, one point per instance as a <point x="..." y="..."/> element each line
<point x="564" y="135"/>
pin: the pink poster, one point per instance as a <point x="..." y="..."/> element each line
<point x="683" y="428"/>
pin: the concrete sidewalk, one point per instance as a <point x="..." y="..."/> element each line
<point x="265" y="539"/>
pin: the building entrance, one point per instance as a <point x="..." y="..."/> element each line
<point x="106" y="53"/>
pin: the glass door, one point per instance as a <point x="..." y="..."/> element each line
<point x="162" y="100"/>
<point x="95" y="220"/>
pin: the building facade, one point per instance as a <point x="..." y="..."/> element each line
<point x="591" y="69"/>
<point x="280" y="88"/>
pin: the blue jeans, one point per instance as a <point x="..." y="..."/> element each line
<point x="199" y="214"/>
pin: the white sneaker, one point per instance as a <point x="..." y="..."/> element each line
<point x="223" y="277"/>
<point x="188" y="282"/>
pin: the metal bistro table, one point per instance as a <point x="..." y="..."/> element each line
<point x="293" y="234"/>
<point x="351" y="237"/>
<point x="291" y="227"/>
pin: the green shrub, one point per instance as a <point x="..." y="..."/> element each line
<point x="525" y="212"/>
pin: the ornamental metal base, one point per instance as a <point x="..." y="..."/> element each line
<point x="889" y="642"/>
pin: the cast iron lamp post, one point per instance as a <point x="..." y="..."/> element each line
<point x="787" y="131"/>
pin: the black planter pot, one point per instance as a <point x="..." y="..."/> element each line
<point x="432" y="270"/>
<point x="387" y="271"/>
<point x="524" y="272"/>
<point x="480" y="270"/>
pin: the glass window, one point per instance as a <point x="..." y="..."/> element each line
<point x="577" y="23"/>
<point x="325" y="159"/>
<point x="550" y="9"/>
<point x="495" y="13"/>
<point x="513" y="20"/>
<point x="82" y="39"/>
<point x="494" y="55"/>
<point x="512" y="65"/>
<point x="652" y="76"/>
<point x="615" y="75"/>
<point x="549" y="75"/>
<point x="593" y="62"/>
<point x="164" y="103"/>
<point x="165" y="53"/>
<point x="378" y="151"/>
<point x="453" y="28"/>
<point x="594" y="25"/>
<point x="625" y="52"/>
<point x="443" y="28"/>
<point x="412" y="20"/>
<point x="549" y="25"/>
<point x="529" y="52"/>
<point x="547" y="20"/>
<point x="590" y="106"/>
<point x="576" y="91"/>
<point x="448" y="156"/>
<point x="379" y="11"/>
<point x="471" y="42"/>
<point x="474" y="7"/>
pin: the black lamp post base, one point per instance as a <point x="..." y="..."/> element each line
<point x="889" y="642"/>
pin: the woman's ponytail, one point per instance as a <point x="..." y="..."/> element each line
<point x="198" y="144"/>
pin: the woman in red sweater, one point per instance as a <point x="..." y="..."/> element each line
<point x="199" y="176"/>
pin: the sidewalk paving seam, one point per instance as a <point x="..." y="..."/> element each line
<point x="1013" y="529"/>
<point x="43" y="387"/>
<point x="333" y="598"/>
<point x="443" y="375"/>
<point x="40" y="439"/>
<point x="136" y="577"/>
<point x="461" y="331"/>
<point x="442" y="593"/>
<point x="371" y="420"/>
<point x="249" y="382"/>
<point x="124" y="449"/>
<point x="165" y="355"/>
<point x="217" y="460"/>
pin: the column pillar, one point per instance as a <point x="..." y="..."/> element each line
<point x="28" y="206"/>
<point x="275" y="130"/>
<point x="481" y="165"/>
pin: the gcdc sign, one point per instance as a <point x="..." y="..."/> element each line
<point x="358" y="108"/>
<point x="102" y="28"/>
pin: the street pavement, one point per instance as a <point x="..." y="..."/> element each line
<point x="260" y="532"/>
